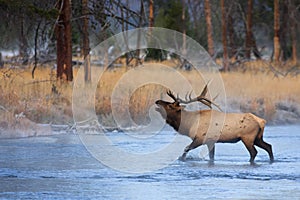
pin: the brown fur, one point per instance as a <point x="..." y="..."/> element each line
<point x="211" y="126"/>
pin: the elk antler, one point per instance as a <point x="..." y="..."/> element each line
<point x="170" y="94"/>
<point x="201" y="98"/>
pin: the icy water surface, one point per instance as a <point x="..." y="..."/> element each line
<point x="59" y="167"/>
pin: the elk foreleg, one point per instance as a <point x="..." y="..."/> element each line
<point x="191" y="146"/>
<point x="211" y="150"/>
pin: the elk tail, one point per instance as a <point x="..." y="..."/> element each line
<point x="261" y="124"/>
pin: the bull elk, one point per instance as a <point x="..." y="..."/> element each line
<point x="212" y="126"/>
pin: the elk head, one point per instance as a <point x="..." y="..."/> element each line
<point x="167" y="108"/>
<point x="172" y="109"/>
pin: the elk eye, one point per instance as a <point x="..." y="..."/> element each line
<point x="178" y="109"/>
<point x="171" y="106"/>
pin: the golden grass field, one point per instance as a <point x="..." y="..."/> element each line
<point x="46" y="100"/>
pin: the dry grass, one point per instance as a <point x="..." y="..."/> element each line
<point x="45" y="100"/>
<point x="263" y="94"/>
<point x="248" y="85"/>
<point x="42" y="99"/>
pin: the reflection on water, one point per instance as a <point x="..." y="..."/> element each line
<point x="59" y="167"/>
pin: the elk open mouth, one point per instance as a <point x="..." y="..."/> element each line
<point x="158" y="107"/>
<point x="161" y="110"/>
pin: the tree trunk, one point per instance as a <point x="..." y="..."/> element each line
<point x="294" y="43"/>
<point x="1" y="61"/>
<point x="255" y="50"/>
<point x="232" y="38"/>
<point x="224" y="36"/>
<point x="151" y="13"/>
<point x="68" y="39"/>
<point x="23" y="45"/>
<point x="210" y="41"/>
<point x="249" y="42"/>
<point x="60" y="50"/>
<point x="36" y="48"/>
<point x="86" y="42"/>
<point x="284" y="30"/>
<point x="64" y="41"/>
<point x="183" y="28"/>
<point x="293" y="26"/>
<point x="276" y="31"/>
<point x="128" y="59"/>
<point x="138" y="60"/>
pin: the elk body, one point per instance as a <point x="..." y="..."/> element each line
<point x="211" y="126"/>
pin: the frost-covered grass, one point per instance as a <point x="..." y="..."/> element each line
<point x="46" y="100"/>
<point x="276" y="99"/>
<point x="42" y="99"/>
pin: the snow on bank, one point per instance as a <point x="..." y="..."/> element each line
<point x="280" y="113"/>
<point x="19" y="126"/>
<point x="283" y="112"/>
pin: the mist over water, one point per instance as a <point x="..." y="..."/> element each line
<point x="59" y="167"/>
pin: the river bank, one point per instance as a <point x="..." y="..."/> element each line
<point x="26" y="103"/>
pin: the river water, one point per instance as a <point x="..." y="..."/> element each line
<point x="60" y="167"/>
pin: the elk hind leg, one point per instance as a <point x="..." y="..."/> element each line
<point x="250" y="147"/>
<point x="267" y="147"/>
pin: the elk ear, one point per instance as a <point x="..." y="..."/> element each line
<point x="175" y="106"/>
<point x="178" y="107"/>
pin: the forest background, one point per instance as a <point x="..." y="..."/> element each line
<point x="43" y="43"/>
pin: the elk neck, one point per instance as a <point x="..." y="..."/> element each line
<point x="174" y="120"/>
<point x="184" y="121"/>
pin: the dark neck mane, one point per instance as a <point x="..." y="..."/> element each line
<point x="174" y="121"/>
